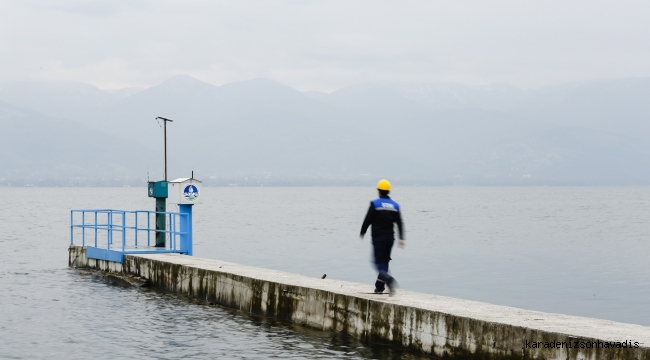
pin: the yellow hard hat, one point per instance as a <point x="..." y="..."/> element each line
<point x="383" y="184"/>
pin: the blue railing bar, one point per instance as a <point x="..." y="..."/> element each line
<point x="110" y="229"/>
<point x="83" y="229"/>
<point x="131" y="212"/>
<point x="71" y="227"/>
<point x="176" y="225"/>
<point x="119" y="228"/>
<point x="127" y="211"/>
<point x="95" y="229"/>
<point x="108" y="236"/>
<point x="106" y="224"/>
<point x="148" y="227"/>
<point x="172" y="236"/>
<point x="103" y="211"/>
<point x="124" y="230"/>
<point x="136" y="229"/>
<point x="115" y="227"/>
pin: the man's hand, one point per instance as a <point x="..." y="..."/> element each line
<point x="361" y="236"/>
<point x="401" y="244"/>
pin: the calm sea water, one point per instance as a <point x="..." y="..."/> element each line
<point x="578" y="251"/>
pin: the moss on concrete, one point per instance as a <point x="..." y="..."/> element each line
<point x="411" y="322"/>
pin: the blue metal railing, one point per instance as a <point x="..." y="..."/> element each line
<point x="128" y="224"/>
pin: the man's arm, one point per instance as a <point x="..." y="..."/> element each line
<point x="368" y="220"/>
<point x="400" y="226"/>
<point x="400" y="229"/>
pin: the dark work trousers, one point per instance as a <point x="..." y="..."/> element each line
<point x="382" y="248"/>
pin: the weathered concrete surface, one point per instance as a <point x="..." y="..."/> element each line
<point x="444" y="326"/>
<point x="77" y="258"/>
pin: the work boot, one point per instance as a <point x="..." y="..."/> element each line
<point x="391" y="287"/>
<point x="379" y="292"/>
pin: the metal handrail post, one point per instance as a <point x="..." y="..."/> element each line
<point x="172" y="228"/>
<point x="186" y="229"/>
<point x="110" y="229"/>
<point x="148" y="229"/>
<point x="136" y="229"/>
<point x="71" y="227"/>
<point x="83" y="228"/>
<point x="123" y="230"/>
<point x="95" y="228"/>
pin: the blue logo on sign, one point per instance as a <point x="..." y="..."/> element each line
<point x="191" y="193"/>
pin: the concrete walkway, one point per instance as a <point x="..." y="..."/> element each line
<point x="444" y="326"/>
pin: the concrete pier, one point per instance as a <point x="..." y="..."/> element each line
<point x="439" y="325"/>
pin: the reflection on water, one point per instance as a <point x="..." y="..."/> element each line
<point x="151" y="324"/>
<point x="580" y="251"/>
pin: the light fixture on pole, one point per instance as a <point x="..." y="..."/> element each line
<point x="165" y="120"/>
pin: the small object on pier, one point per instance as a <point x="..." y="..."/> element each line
<point x="323" y="277"/>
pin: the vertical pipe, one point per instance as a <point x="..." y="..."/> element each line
<point x="83" y="228"/>
<point x="136" y="229"/>
<point x="109" y="218"/>
<point x="186" y="228"/>
<point x="123" y="230"/>
<point x="148" y="229"/>
<point x="95" y="228"/>
<point x="165" y="135"/>
<point x="71" y="227"/>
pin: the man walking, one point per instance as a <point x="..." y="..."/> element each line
<point x="382" y="214"/>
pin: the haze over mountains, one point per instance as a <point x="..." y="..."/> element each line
<point x="260" y="132"/>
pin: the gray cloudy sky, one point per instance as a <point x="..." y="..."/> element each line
<point x="324" y="45"/>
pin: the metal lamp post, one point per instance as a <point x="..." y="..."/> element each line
<point x="161" y="196"/>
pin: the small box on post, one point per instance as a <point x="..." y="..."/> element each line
<point x="186" y="192"/>
<point x="158" y="189"/>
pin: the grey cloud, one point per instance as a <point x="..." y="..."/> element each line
<point x="99" y="8"/>
<point x="325" y="45"/>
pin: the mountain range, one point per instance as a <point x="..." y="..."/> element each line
<point x="260" y="132"/>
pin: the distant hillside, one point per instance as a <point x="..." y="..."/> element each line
<point x="61" y="98"/>
<point x="561" y="156"/>
<point x="583" y="134"/>
<point x="618" y="106"/>
<point x="34" y="146"/>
